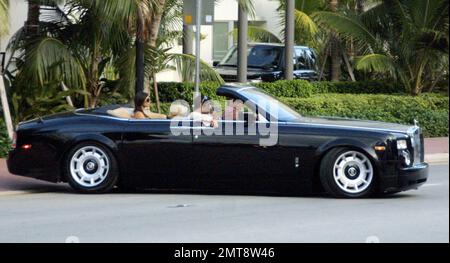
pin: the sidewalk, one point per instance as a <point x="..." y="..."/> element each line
<point x="436" y="150"/>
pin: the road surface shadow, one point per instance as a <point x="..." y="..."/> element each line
<point x="33" y="186"/>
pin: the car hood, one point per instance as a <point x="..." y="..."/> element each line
<point x="355" y="124"/>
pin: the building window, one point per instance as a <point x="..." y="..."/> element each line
<point x="221" y="40"/>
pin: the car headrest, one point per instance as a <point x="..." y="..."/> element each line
<point x="178" y="110"/>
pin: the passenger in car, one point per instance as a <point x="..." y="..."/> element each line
<point x="179" y="110"/>
<point x="142" y="104"/>
<point x="233" y="110"/>
<point x="205" y="114"/>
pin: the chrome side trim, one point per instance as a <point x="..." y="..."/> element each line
<point x="345" y="126"/>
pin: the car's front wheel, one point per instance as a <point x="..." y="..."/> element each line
<point x="347" y="173"/>
<point x="91" y="168"/>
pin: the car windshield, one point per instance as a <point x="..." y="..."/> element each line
<point x="306" y="59"/>
<point x="270" y="104"/>
<point x="258" y="57"/>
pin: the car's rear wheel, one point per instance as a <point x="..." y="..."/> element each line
<point x="347" y="173"/>
<point x="91" y="168"/>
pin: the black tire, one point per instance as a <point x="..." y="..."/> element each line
<point x="110" y="176"/>
<point x="331" y="185"/>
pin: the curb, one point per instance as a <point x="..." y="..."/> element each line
<point x="437" y="158"/>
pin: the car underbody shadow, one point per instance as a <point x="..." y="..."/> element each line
<point x="321" y="195"/>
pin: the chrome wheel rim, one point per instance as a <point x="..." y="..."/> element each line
<point x="89" y="166"/>
<point x="353" y="172"/>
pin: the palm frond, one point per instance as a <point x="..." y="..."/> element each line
<point x="304" y="24"/>
<point x="346" y="25"/>
<point x="258" y="34"/>
<point x="185" y="65"/>
<point x="47" y="60"/>
<point x="248" y="6"/>
<point x="375" y="63"/>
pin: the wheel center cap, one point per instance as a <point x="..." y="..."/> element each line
<point x="352" y="172"/>
<point x="90" y="166"/>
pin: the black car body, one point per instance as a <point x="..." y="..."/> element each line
<point x="266" y="63"/>
<point x="147" y="154"/>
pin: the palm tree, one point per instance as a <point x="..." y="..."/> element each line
<point x="71" y="53"/>
<point x="4" y="17"/>
<point x="407" y="40"/>
<point x="32" y="23"/>
<point x="335" y="50"/>
<point x="146" y="16"/>
<point x="169" y="30"/>
<point x="306" y="28"/>
<point x="4" y="24"/>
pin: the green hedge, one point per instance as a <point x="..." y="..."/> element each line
<point x="169" y="91"/>
<point x="431" y="110"/>
<point x="5" y="142"/>
<point x="359" y="87"/>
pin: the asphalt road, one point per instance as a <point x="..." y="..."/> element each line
<point x="49" y="213"/>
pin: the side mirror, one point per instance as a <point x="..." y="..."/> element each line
<point x="215" y="63"/>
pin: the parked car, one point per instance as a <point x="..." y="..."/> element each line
<point x="95" y="151"/>
<point x="266" y="63"/>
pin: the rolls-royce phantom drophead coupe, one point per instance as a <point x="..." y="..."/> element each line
<point x="95" y="151"/>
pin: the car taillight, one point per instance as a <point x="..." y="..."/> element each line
<point x="14" y="141"/>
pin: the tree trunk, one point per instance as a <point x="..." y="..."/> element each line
<point x="289" y="40"/>
<point x="93" y="76"/>
<point x="155" y="87"/>
<point x="242" y="45"/>
<point x="5" y="107"/>
<point x="153" y="37"/>
<point x="140" y="44"/>
<point x="188" y="43"/>
<point x="335" y="49"/>
<point x="418" y="83"/>
<point x="360" y="6"/>
<point x="349" y="66"/>
<point x="32" y="23"/>
<point x="156" y="22"/>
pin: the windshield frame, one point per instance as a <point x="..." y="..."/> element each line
<point x="276" y="63"/>
<point x="256" y="96"/>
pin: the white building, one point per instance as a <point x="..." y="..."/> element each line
<point x="217" y="38"/>
<point x="17" y="17"/>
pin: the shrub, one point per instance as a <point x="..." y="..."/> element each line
<point x="5" y="142"/>
<point x="289" y="88"/>
<point x="431" y="110"/>
<point x="359" y="87"/>
<point x="170" y="91"/>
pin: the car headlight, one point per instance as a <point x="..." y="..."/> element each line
<point x="402" y="145"/>
<point x="406" y="158"/>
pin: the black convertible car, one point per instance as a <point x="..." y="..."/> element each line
<point x="95" y="152"/>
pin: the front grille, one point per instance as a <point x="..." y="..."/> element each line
<point x="417" y="142"/>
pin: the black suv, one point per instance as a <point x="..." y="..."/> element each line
<point x="266" y="63"/>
